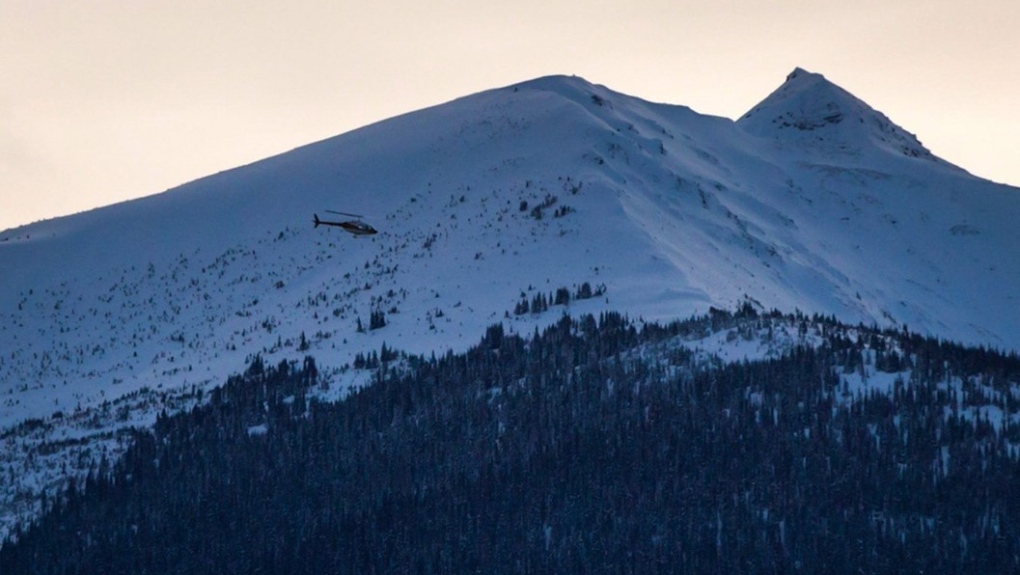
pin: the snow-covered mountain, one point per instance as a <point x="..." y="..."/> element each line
<point x="486" y="206"/>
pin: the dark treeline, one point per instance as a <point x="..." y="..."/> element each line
<point x="593" y="447"/>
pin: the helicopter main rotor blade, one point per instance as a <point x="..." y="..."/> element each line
<point x="344" y="214"/>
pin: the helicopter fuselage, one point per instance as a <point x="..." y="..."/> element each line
<point x="354" y="227"/>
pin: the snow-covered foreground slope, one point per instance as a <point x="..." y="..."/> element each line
<point x="811" y="201"/>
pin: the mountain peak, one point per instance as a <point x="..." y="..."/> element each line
<point x="810" y="110"/>
<point x="801" y="75"/>
<point x="805" y="102"/>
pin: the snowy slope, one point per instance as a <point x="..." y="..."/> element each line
<point x="811" y="201"/>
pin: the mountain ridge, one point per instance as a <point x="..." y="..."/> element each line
<point x="513" y="206"/>
<point x="672" y="211"/>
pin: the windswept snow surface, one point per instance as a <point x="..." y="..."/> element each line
<point x="811" y="201"/>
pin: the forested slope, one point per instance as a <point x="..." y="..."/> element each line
<point x="593" y="447"/>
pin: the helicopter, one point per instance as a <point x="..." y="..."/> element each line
<point x="355" y="226"/>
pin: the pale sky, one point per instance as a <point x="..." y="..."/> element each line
<point x="107" y="100"/>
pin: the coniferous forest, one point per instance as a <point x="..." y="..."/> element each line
<point x="596" y="446"/>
